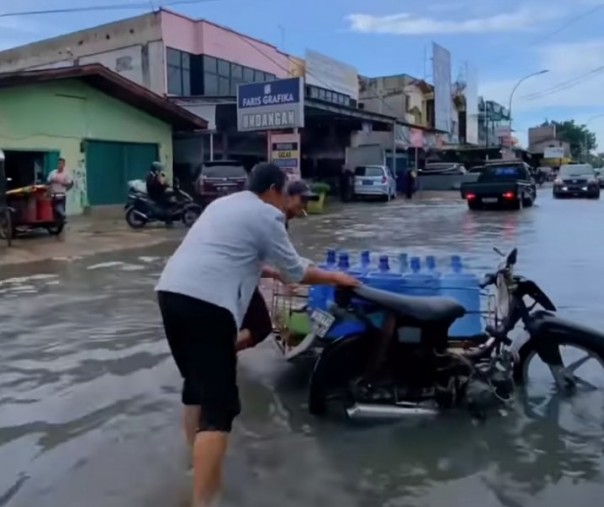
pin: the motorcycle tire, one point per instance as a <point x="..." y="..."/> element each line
<point x="339" y="364"/>
<point x="592" y="344"/>
<point x="133" y="220"/>
<point x="190" y="215"/>
<point x="56" y="229"/>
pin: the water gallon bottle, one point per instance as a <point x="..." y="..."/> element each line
<point x="465" y="289"/>
<point x="417" y="283"/>
<point x="343" y="262"/>
<point x="362" y="269"/>
<point x="383" y="278"/>
<point x="403" y="263"/>
<point x="319" y="294"/>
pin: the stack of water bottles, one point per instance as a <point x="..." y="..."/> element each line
<point x="409" y="277"/>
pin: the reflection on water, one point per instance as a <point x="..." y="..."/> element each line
<point x="89" y="396"/>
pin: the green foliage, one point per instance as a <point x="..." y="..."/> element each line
<point x="581" y="139"/>
<point x="320" y="187"/>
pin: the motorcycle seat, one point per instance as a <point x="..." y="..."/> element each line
<point x="420" y="308"/>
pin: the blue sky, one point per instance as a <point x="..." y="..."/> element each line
<point x="503" y="41"/>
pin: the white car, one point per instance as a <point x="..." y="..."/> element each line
<point x="374" y="181"/>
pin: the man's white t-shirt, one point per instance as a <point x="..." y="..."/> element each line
<point x="58" y="181"/>
<point x="220" y="260"/>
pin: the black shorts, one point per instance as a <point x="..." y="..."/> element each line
<point x="202" y="340"/>
<point x="257" y="319"/>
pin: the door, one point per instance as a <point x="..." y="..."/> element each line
<point x="111" y="165"/>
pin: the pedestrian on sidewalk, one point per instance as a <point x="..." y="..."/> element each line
<point x="203" y="294"/>
<point x="410" y="179"/>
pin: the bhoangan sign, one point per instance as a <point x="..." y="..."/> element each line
<point x="274" y="105"/>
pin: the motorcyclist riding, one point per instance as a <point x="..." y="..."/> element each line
<point x="158" y="188"/>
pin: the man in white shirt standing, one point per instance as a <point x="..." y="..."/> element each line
<point x="60" y="182"/>
<point x="204" y="293"/>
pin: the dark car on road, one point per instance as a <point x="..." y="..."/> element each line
<point x="576" y="180"/>
<point x="219" y="178"/>
<point x="501" y="184"/>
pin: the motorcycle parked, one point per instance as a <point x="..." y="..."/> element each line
<point x="141" y="210"/>
<point x="405" y="365"/>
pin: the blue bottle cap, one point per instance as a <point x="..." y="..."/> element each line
<point x="343" y="261"/>
<point x="331" y="257"/>
<point x="415" y="264"/>
<point x="431" y="262"/>
<point x="456" y="263"/>
<point x="365" y="257"/>
<point x="384" y="265"/>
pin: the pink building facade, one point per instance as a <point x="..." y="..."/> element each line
<point x="200" y="37"/>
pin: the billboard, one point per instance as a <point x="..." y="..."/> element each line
<point x="333" y="75"/>
<point x="504" y="135"/>
<point x="285" y="153"/>
<point x="274" y="105"/>
<point x="443" y="101"/>
<point x="471" y="94"/>
<point x="554" y="152"/>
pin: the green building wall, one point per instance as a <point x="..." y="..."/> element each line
<point x="58" y="116"/>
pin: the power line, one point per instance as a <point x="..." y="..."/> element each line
<point x="94" y="8"/>
<point x="565" y="85"/>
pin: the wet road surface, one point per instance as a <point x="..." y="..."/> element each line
<point x="89" y="410"/>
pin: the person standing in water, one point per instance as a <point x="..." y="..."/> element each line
<point x="204" y="292"/>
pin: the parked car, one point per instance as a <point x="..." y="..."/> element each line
<point x="374" y="181"/>
<point x="501" y="184"/>
<point x="576" y="180"/>
<point x="219" y="178"/>
<point x="600" y="176"/>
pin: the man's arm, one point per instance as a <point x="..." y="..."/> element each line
<point x="293" y="268"/>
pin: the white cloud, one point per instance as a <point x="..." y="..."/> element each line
<point x="525" y="18"/>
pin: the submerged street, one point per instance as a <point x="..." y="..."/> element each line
<point x="89" y="395"/>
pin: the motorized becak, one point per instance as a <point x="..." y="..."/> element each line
<point x="502" y="184"/>
<point x="407" y="365"/>
<point x="576" y="180"/>
<point x="141" y="210"/>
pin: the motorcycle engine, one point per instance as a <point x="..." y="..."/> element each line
<point x="489" y="387"/>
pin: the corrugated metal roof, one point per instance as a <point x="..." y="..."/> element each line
<point x="113" y="84"/>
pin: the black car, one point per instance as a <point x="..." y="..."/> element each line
<point x="576" y="180"/>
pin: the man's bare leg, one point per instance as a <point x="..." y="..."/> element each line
<point x="190" y="422"/>
<point x="208" y="456"/>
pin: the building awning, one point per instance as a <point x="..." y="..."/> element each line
<point x="113" y="84"/>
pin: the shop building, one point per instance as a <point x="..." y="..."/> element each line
<point x="107" y="128"/>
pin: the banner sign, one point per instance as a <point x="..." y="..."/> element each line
<point x="285" y="153"/>
<point x="274" y="105"/>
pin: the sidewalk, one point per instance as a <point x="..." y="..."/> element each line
<point x="85" y="236"/>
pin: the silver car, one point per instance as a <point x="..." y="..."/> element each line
<point x="374" y="181"/>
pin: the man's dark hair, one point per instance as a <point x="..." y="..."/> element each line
<point x="264" y="176"/>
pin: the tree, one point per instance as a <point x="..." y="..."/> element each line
<point x="582" y="140"/>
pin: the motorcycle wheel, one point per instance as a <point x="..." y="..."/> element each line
<point x="134" y="220"/>
<point x="190" y="215"/>
<point x="592" y="346"/>
<point x="56" y="229"/>
<point x="339" y="364"/>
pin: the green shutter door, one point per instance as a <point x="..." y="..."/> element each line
<point x="110" y="165"/>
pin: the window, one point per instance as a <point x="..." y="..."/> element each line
<point x="369" y="172"/>
<point x="222" y="170"/>
<point x="258" y="76"/>
<point x="210" y="84"/>
<point x="236" y="71"/>
<point x="224" y="69"/>
<point x="248" y="75"/>
<point x="178" y="67"/>
<point x="224" y="86"/>
<point x="210" y="64"/>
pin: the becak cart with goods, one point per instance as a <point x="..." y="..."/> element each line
<point x="34" y="207"/>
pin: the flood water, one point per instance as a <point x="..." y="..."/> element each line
<point x="89" y="397"/>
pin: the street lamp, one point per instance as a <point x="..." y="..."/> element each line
<point x="544" y="71"/>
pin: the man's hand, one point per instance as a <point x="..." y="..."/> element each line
<point x="345" y="280"/>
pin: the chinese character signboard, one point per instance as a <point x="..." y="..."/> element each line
<point x="285" y="153"/>
<point x="274" y="105"/>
